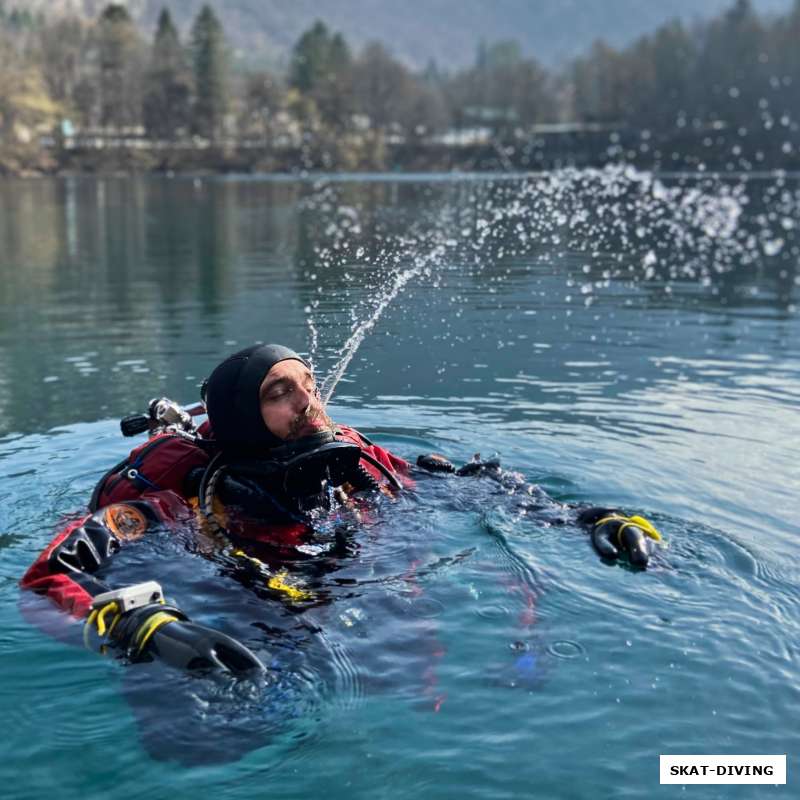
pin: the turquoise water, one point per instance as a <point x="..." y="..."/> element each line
<point x="463" y="647"/>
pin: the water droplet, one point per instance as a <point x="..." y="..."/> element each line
<point x="773" y="246"/>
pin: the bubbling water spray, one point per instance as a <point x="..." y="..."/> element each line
<point x="399" y="282"/>
<point x="313" y="336"/>
<point x="628" y="224"/>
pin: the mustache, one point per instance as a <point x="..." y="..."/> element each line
<point x="314" y="413"/>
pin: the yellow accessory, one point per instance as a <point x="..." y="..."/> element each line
<point x="150" y="626"/>
<point x="277" y="582"/>
<point x="255" y="561"/>
<point x="98" y="617"/>
<point x="630" y="522"/>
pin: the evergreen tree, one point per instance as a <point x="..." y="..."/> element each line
<point x="310" y="58"/>
<point x="339" y="57"/>
<point x="168" y="84"/>
<point x="120" y="65"/>
<point x="785" y="64"/>
<point x="211" y="78"/>
<point x="673" y="55"/>
<point x="334" y="94"/>
<point x="321" y="69"/>
<point x="731" y="68"/>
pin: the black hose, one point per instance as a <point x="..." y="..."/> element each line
<point x="387" y="473"/>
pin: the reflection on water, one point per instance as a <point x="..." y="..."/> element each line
<point x="534" y="324"/>
<point x="113" y="289"/>
<point x="603" y="312"/>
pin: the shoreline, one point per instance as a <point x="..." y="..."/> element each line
<point x="393" y="175"/>
<point x="728" y="152"/>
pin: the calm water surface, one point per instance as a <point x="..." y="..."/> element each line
<point x="463" y="648"/>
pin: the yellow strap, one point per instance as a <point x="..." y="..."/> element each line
<point x="241" y="554"/>
<point x="278" y="583"/>
<point x="150" y="626"/>
<point x="646" y="526"/>
<point x="636" y="521"/>
<point x="98" y="616"/>
<point x="87" y="627"/>
<point x="113" y="624"/>
<point x="610" y="518"/>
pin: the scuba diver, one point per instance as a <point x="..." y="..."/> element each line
<point x="256" y="480"/>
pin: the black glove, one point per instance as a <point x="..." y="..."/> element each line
<point x="90" y="546"/>
<point x="85" y="549"/>
<point x="478" y="466"/>
<point x="613" y="534"/>
<point x="165" y="632"/>
<point x="433" y="462"/>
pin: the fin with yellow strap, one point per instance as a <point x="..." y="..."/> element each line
<point x="610" y="539"/>
<point x="638" y="521"/>
<point x="119" y="602"/>
<point x="153" y="623"/>
<point x="139" y="615"/>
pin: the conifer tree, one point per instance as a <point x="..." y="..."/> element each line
<point x="730" y="68"/>
<point x="321" y="69"/>
<point x="310" y="58"/>
<point x="168" y="83"/>
<point x="210" y="65"/>
<point x="785" y="62"/>
<point x="119" y="60"/>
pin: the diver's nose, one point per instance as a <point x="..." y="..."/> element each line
<point x="302" y="399"/>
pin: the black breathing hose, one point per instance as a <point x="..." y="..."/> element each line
<point x="387" y="473"/>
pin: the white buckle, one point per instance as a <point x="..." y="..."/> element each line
<point x="129" y="597"/>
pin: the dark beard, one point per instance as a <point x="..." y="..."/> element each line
<point x="311" y="415"/>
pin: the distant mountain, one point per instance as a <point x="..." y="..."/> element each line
<point x="417" y="31"/>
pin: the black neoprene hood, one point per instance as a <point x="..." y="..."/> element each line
<point x="231" y="396"/>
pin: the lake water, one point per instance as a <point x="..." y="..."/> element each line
<point x="618" y="339"/>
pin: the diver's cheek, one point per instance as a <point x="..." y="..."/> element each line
<point x="277" y="421"/>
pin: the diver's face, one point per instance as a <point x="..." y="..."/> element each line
<point x="290" y="403"/>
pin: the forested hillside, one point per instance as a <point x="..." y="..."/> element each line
<point x="449" y="31"/>
<point x="101" y="93"/>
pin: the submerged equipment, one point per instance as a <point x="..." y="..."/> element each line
<point x="144" y="625"/>
<point x="301" y="468"/>
<point x="292" y="478"/>
<point x="615" y="533"/>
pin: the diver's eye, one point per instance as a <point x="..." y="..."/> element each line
<point x="284" y="390"/>
<point x="277" y="394"/>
